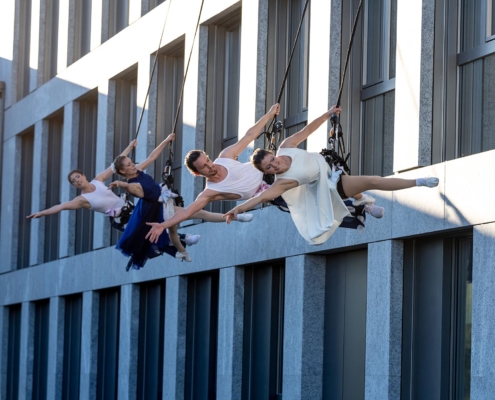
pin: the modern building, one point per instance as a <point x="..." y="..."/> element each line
<point x="401" y="311"/>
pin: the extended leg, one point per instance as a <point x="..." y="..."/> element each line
<point x="356" y="184"/>
<point x="215" y="217"/>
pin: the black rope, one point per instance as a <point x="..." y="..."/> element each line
<point x="275" y="126"/>
<point x="336" y="153"/>
<point x="151" y="78"/>
<point x="349" y="50"/>
<point x="168" y="163"/>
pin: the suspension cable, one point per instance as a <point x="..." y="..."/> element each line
<point x="151" y="78"/>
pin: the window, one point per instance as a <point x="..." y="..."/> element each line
<point x="50" y="41"/>
<point x="23" y="242"/>
<point x="222" y="109"/>
<point x="201" y="336"/>
<point x="437" y="309"/>
<point x="368" y="96"/>
<point x="283" y="21"/>
<point x="40" y="358"/>
<point x="152" y="4"/>
<point x="262" y="355"/>
<point x="72" y="347"/>
<point x="118" y="16"/>
<point x="170" y="78"/>
<point x="463" y="90"/>
<point x="13" y="352"/>
<point x="81" y="30"/>
<point x="124" y="122"/>
<point x="108" y="344"/>
<point x="88" y="110"/>
<point x="54" y="160"/>
<point x="23" y="39"/>
<point x="344" y="343"/>
<point x="150" y="344"/>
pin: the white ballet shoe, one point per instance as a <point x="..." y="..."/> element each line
<point x="365" y="199"/>
<point x="191" y="239"/>
<point x="374" y="211"/>
<point x="245" y="217"/>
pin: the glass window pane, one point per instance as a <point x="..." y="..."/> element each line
<point x="476" y="115"/>
<point x="374" y="30"/>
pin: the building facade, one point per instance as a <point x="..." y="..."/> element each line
<point x="401" y="311"/>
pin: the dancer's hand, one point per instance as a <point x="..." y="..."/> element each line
<point x="116" y="184"/>
<point x="231" y="215"/>
<point x="335" y="110"/>
<point x="170" y="137"/>
<point x="36" y="215"/>
<point x="274" y="110"/>
<point x="133" y="144"/>
<point x="155" y="232"/>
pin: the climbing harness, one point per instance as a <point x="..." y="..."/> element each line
<point x="121" y="221"/>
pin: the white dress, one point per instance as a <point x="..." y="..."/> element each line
<point x="315" y="205"/>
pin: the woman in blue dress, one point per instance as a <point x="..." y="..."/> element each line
<point x="150" y="208"/>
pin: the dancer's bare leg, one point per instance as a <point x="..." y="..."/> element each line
<point x="174" y="238"/>
<point x="353" y="185"/>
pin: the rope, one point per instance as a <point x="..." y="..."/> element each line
<point x="179" y="104"/>
<point x="151" y="78"/>
<point x="337" y="155"/>
<point x="273" y="123"/>
<point x="349" y="50"/>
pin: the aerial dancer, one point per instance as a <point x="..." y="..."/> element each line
<point x="311" y="189"/>
<point x="96" y="196"/>
<point x="228" y="179"/>
<point x="150" y="209"/>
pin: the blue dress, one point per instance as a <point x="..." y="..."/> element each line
<point x="148" y="209"/>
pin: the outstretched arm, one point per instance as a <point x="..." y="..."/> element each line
<point x="279" y="187"/>
<point x="296" y="138"/>
<point x="133" y="188"/>
<point x="236" y="149"/>
<point x="155" y="153"/>
<point x="157" y="229"/>
<point x="103" y="176"/>
<point x="75" y="204"/>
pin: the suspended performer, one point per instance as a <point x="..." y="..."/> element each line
<point x="228" y="179"/>
<point x="313" y="192"/>
<point x="96" y="196"/>
<point x="153" y="206"/>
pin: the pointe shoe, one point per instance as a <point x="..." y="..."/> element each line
<point x="184" y="256"/>
<point x="191" y="239"/>
<point x="245" y="217"/>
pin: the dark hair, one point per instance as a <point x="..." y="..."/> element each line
<point x="74" y="171"/>
<point x="190" y="158"/>
<point x="118" y="164"/>
<point x="257" y="157"/>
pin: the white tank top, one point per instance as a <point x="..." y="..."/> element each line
<point x="241" y="179"/>
<point x="102" y="199"/>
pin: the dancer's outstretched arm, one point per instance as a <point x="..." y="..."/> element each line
<point x="302" y="135"/>
<point x="155" y="153"/>
<point x="103" y="176"/>
<point x="252" y="133"/>
<point x="186" y="213"/>
<point x="75" y="204"/>
<point x="271" y="193"/>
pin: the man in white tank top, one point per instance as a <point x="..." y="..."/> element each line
<point x="226" y="178"/>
